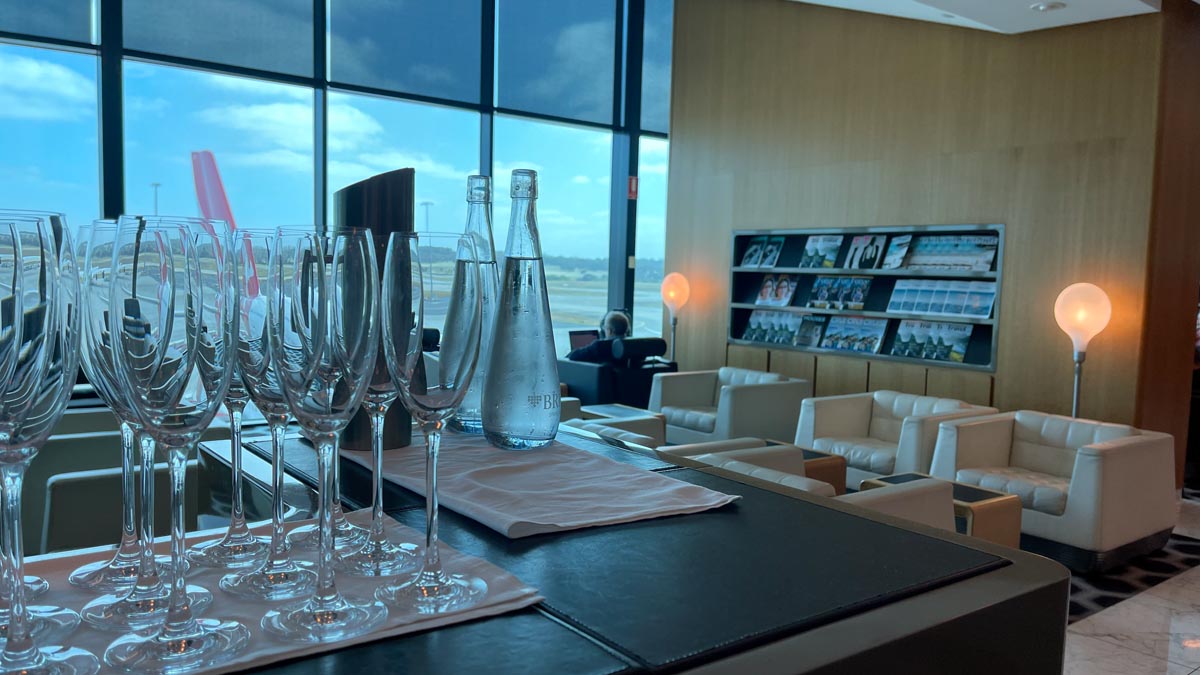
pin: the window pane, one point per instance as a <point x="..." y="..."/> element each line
<point x="574" y="170"/>
<point x="556" y="57"/>
<point x="260" y="133"/>
<point x="63" y="19"/>
<point x="48" y="154"/>
<point x="427" y="48"/>
<point x="369" y="135"/>
<point x="651" y="238"/>
<point x="275" y="35"/>
<point x="656" y="65"/>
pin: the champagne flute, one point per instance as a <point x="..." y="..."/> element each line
<point x="432" y="280"/>
<point x="278" y="577"/>
<point x="324" y="337"/>
<point x="40" y="362"/>
<point x="169" y="314"/>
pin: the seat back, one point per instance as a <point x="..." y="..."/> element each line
<point x="731" y="376"/>
<point x="889" y="408"/>
<point x="1047" y="443"/>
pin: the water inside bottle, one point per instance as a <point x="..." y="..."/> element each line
<point x="469" y="417"/>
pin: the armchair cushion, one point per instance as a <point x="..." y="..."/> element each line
<point x="727" y="376"/>
<point x="890" y="408"/>
<point x="868" y="454"/>
<point x="699" y="418"/>
<point x="1038" y="491"/>
<point x="1047" y="443"/>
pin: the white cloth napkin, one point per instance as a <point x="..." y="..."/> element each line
<point x="506" y="593"/>
<point x="522" y="493"/>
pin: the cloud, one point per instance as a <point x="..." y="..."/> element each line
<point x="653" y="148"/>
<point x="557" y="217"/>
<point x="284" y="125"/>
<point x="36" y="89"/>
<point x="279" y="158"/>
<point x="245" y="85"/>
<point x="581" y="180"/>
<point x="350" y="128"/>
<point x="151" y="106"/>
<point x="423" y="163"/>
<point x="573" y="82"/>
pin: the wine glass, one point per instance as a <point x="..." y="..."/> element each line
<point x="432" y="280"/>
<point x="278" y="577"/>
<point x="120" y="571"/>
<point x="143" y="604"/>
<point x="40" y="364"/>
<point x="172" y="294"/>
<point x="238" y="547"/>
<point x="324" y="337"/>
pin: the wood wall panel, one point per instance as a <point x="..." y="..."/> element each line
<point x="904" y="377"/>
<point x="963" y="385"/>
<point x="794" y="364"/>
<point x="837" y="375"/>
<point x="746" y="357"/>
<point x="789" y="115"/>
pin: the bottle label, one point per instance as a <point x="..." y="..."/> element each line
<point x="545" y="401"/>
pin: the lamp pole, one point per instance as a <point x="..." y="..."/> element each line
<point x="427" y="204"/>
<point x="1079" y="357"/>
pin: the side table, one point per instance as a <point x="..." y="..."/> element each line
<point x="978" y="512"/>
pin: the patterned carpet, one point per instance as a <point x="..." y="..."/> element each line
<point x="1091" y="593"/>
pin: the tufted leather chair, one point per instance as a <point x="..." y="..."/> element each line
<point x="1088" y="485"/>
<point x="880" y="432"/>
<point x="713" y="405"/>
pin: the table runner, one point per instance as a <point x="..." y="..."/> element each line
<point x="555" y="488"/>
<point x="506" y="593"/>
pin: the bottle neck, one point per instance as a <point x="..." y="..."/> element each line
<point x="522" y="230"/>
<point x="479" y="229"/>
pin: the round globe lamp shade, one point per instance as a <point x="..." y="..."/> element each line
<point x="675" y="291"/>
<point x="1082" y="311"/>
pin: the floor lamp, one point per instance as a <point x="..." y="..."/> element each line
<point x="1082" y="311"/>
<point x="675" y="293"/>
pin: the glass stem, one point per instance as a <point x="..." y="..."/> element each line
<point x="179" y="615"/>
<point x="129" y="461"/>
<point x="237" y="520"/>
<point x="20" y="647"/>
<point x="148" y="569"/>
<point x="279" y="545"/>
<point x="433" y="440"/>
<point x="326" y="592"/>
<point x="378" y="413"/>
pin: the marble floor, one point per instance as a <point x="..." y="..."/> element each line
<point x="1156" y="631"/>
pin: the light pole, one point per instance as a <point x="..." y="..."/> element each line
<point x="155" y="186"/>
<point x="427" y="204"/>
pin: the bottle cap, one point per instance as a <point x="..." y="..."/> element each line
<point x="479" y="189"/>
<point x="524" y="184"/>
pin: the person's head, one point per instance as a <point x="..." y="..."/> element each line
<point x="616" y="324"/>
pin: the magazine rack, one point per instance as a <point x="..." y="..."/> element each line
<point x="927" y="294"/>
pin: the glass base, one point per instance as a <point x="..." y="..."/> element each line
<point x="116" y="574"/>
<point x="435" y="593"/>
<point x="346" y="537"/>
<point x="35" y="586"/>
<point x="47" y="625"/>
<point x="467" y="425"/>
<point x="54" y="661"/>
<point x="210" y="642"/>
<point x="314" y="621"/>
<point x="510" y="442"/>
<point x="380" y="559"/>
<point x="231" y="552"/>
<point x="137" y="610"/>
<point x="286" y="581"/>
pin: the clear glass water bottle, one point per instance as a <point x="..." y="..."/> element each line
<point x="469" y="417"/>
<point x="520" y="396"/>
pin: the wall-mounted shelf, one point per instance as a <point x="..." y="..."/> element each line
<point x="944" y="267"/>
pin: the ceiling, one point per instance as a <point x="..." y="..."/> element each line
<point x="1000" y="16"/>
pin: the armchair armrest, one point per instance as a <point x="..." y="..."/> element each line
<point x="696" y="388"/>
<point x="767" y="410"/>
<point x="682" y="454"/>
<point x="1123" y="489"/>
<point x="929" y="502"/>
<point x="918" y="434"/>
<point x="970" y="442"/>
<point x="836" y="416"/>
<point x="780" y="478"/>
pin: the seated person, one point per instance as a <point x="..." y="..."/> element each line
<point x="616" y="325"/>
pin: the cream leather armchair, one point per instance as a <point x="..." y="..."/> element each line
<point x="712" y="405"/>
<point x="1102" y="492"/>
<point x="643" y="430"/>
<point x="880" y="432"/>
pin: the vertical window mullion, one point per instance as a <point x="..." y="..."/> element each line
<point x="112" y="121"/>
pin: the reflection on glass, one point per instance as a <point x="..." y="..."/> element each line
<point x="427" y="48"/>
<point x="275" y="35"/>
<point x="574" y="169"/>
<point x="48" y="129"/>
<point x="556" y="57"/>
<point x="63" y="19"/>
<point x="656" y="65"/>
<point x="651" y="237"/>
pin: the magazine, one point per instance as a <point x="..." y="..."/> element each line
<point x="933" y="340"/>
<point x="754" y="252"/>
<point x="924" y="296"/>
<point x="821" y="251"/>
<point x="899" y="292"/>
<point x="812" y="327"/>
<point x="956" y="298"/>
<point x="866" y="252"/>
<point x="981" y="295"/>
<point x="840" y="295"/>
<point x="754" y="331"/>
<point x="953" y="252"/>
<point x="855" y="334"/>
<point x="897" y="251"/>
<point x="822" y="293"/>
<point x="859" y="287"/>
<point x="785" y="288"/>
<point x="941" y="291"/>
<point x="766" y="292"/>
<point x="771" y="251"/>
